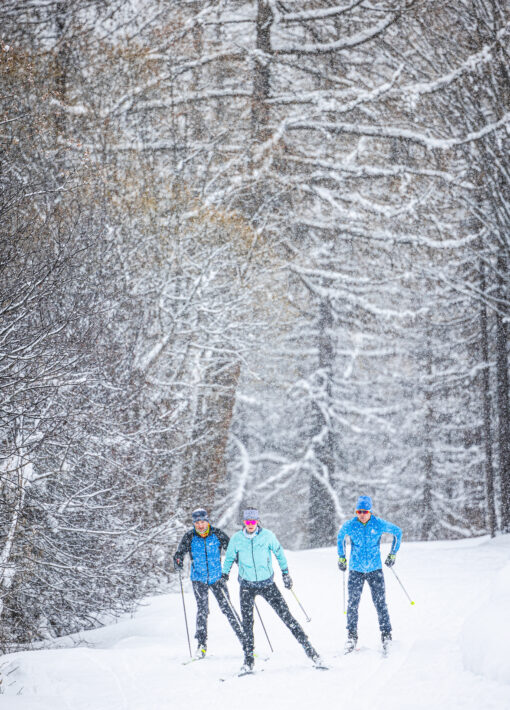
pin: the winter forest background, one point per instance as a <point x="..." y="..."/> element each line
<point x="252" y="252"/>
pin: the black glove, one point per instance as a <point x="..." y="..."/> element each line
<point x="224" y="578"/>
<point x="390" y="560"/>
<point x="342" y="564"/>
<point x="287" y="580"/>
<point x="178" y="563"/>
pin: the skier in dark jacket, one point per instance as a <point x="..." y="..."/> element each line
<point x="203" y="543"/>
<point x="365" y="531"/>
<point x="251" y="548"/>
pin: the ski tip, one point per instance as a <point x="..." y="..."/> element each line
<point x="412" y="603"/>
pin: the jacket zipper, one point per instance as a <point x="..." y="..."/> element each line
<point x="365" y="551"/>
<point x="206" y="560"/>
<point x="253" y="558"/>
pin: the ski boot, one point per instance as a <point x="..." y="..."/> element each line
<point x="247" y="667"/>
<point x="318" y="662"/>
<point x="386" y="640"/>
<point x="201" y="651"/>
<point x="313" y="656"/>
<point x="350" y="644"/>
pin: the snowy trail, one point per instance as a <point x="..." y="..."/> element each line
<point x="462" y="595"/>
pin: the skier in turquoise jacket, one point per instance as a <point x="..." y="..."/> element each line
<point x="252" y="548"/>
<point x="365" y="532"/>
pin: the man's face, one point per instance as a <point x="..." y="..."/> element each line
<point x="363" y="515"/>
<point x="201" y="526"/>
<point x="251" y="525"/>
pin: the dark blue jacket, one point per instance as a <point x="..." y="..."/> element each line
<point x="204" y="553"/>
<point x="365" y="541"/>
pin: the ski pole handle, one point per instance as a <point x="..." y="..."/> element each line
<point x="302" y="608"/>
<point x="403" y="588"/>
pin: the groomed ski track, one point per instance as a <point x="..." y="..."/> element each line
<point x="458" y="624"/>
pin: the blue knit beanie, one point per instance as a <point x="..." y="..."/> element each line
<point x="364" y="503"/>
<point x="199" y="514"/>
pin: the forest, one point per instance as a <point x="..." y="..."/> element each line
<point x="252" y="253"/>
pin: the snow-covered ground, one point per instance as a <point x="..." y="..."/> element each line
<point x="450" y="649"/>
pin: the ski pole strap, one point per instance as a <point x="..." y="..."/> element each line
<point x="403" y="588"/>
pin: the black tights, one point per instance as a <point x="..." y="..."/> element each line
<point x="220" y="591"/>
<point x="274" y="597"/>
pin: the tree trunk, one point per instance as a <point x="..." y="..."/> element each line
<point x="321" y="506"/>
<point x="487" y="407"/>
<point x="428" y="457"/>
<point x="197" y="127"/>
<point x="62" y="62"/>
<point x="205" y="466"/>
<point x="262" y="76"/>
<point x="502" y="403"/>
<point x="15" y="488"/>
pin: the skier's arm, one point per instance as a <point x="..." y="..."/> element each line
<point x="277" y="549"/>
<point x="183" y="548"/>
<point x="230" y="557"/>
<point x="397" y="535"/>
<point x="342" y="535"/>
<point x="223" y="538"/>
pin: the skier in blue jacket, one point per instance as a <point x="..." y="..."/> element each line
<point x="252" y="548"/>
<point x="365" y="531"/>
<point x="203" y="543"/>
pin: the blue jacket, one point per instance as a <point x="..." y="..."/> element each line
<point x="365" y="542"/>
<point x="253" y="555"/>
<point x="205" y="553"/>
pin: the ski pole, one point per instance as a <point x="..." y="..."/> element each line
<point x="302" y="608"/>
<point x="185" y="615"/>
<point x="398" y="580"/>
<point x="232" y="607"/>
<point x="258" y="612"/>
<point x="343" y="574"/>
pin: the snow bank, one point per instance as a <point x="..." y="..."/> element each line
<point x="484" y="637"/>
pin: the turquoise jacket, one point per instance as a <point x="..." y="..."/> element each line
<point x="365" y="542"/>
<point x="253" y="555"/>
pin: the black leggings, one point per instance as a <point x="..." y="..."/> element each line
<point x="274" y="597"/>
<point x="220" y="591"/>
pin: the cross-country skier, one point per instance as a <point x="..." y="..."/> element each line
<point x="251" y="548"/>
<point x="203" y="543"/>
<point x="365" y="531"/>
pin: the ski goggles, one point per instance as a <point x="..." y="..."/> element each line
<point x="250" y="522"/>
<point x="362" y="512"/>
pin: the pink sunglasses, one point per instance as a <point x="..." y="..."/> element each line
<point x="250" y="522"/>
